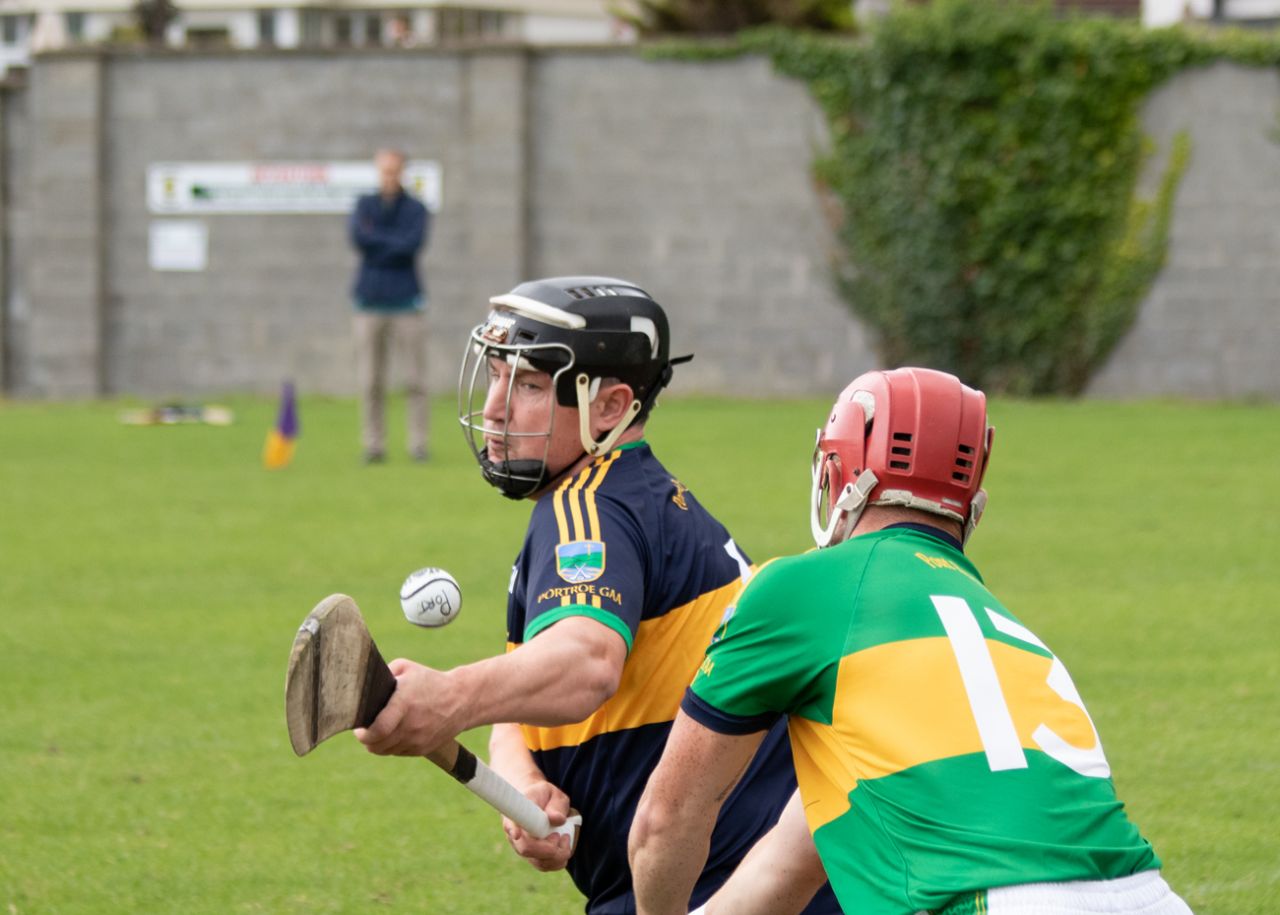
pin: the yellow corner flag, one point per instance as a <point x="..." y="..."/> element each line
<point x="278" y="451"/>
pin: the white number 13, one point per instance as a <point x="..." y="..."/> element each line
<point x="986" y="699"/>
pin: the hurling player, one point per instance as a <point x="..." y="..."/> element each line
<point x="618" y="588"/>
<point x="945" y="760"/>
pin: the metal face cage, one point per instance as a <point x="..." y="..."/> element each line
<point x="520" y="478"/>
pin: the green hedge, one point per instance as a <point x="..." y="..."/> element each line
<point x="986" y="158"/>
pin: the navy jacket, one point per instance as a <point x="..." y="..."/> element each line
<point x="388" y="238"/>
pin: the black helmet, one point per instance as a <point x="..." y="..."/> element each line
<point x="621" y="332"/>
<point x="577" y="329"/>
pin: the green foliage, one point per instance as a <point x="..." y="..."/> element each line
<point x="986" y="156"/>
<point x="1129" y="271"/>
<point x="727" y="17"/>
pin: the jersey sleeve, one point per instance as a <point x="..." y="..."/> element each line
<point x="761" y="661"/>
<point x="586" y="557"/>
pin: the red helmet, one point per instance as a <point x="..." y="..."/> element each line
<point x="912" y="437"/>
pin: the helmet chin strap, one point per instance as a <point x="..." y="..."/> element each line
<point x="586" y="395"/>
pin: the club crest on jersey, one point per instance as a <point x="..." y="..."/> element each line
<point x="580" y="560"/>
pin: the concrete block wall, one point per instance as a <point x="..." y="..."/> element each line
<point x="12" y="159"/>
<point x="1210" y="326"/>
<point x="693" y="179"/>
<point x="63" y="232"/>
<point x="274" y="301"/>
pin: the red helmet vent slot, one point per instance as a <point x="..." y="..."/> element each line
<point x="964" y="463"/>
<point x="903" y="451"/>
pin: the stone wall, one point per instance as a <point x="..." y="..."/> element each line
<point x="692" y="179"/>
<point x="1210" y="326"/>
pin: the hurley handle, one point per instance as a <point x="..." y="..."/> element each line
<point x="493" y="789"/>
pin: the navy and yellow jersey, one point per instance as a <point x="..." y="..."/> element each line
<point x="940" y="747"/>
<point x="626" y="544"/>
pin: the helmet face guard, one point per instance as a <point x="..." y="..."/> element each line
<point x="911" y="437"/>
<point x="522" y="477"/>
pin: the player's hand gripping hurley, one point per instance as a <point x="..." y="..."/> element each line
<point x="337" y="680"/>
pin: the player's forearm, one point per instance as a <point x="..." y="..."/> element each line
<point x="501" y="693"/>
<point x="780" y="875"/>
<point x="666" y="858"/>
<point x="556" y="678"/>
<point x="510" y="758"/>
<point x="771" y="887"/>
<point x="671" y="832"/>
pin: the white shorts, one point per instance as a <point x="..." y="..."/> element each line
<point x="1138" y="894"/>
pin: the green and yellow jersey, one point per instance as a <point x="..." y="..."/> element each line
<point x="940" y="747"/>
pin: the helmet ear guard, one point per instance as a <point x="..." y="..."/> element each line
<point x="976" y="508"/>
<point x="846" y="508"/>
<point x="842" y="511"/>
<point x="587" y="389"/>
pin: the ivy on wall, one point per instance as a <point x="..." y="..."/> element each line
<point x="986" y="158"/>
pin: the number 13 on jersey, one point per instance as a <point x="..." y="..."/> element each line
<point x="987" y="699"/>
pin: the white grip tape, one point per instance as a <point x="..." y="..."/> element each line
<point x="502" y="796"/>
<point x="569" y="828"/>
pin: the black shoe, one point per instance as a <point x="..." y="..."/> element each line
<point x="374" y="457"/>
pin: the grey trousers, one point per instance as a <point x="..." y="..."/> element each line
<point x="378" y="335"/>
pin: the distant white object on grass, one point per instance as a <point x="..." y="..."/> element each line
<point x="174" y="414"/>
<point x="430" y="597"/>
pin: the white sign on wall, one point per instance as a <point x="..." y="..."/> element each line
<point x="277" y="187"/>
<point x="178" y="244"/>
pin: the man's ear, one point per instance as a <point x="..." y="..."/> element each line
<point x="610" y="406"/>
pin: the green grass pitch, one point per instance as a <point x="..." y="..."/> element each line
<point x="151" y="580"/>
